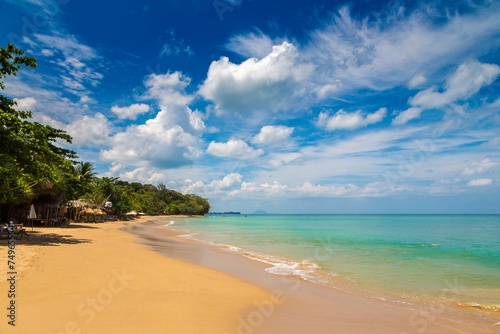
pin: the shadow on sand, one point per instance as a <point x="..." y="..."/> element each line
<point x="48" y="239"/>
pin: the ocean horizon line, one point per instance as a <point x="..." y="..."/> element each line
<point x="360" y="214"/>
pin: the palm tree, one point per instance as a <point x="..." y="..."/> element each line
<point x="85" y="172"/>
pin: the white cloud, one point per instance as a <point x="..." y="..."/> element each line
<point x="326" y="190"/>
<point x="142" y="174"/>
<point x="86" y="99"/>
<point x="273" y="135"/>
<point x="228" y="183"/>
<point x="379" y="55"/>
<point x="407" y="115"/>
<point x="307" y="190"/>
<point x="47" y="52"/>
<point x="158" y="143"/>
<point x="234" y="148"/>
<point x="251" y="45"/>
<point x="68" y="45"/>
<point x="196" y="120"/>
<point x="281" y="159"/>
<point x="273" y="188"/>
<point x="28" y="103"/>
<point x="93" y="129"/>
<point x="349" y="121"/>
<point x="478" y="167"/>
<point x="130" y="112"/>
<point x="417" y="80"/>
<point x="466" y="81"/>
<point x="265" y="84"/>
<point x="77" y="59"/>
<point x="479" y="182"/>
<point x="115" y="168"/>
<point x="328" y="89"/>
<point x="168" y="89"/>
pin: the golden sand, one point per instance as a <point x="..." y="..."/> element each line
<point x="93" y="278"/>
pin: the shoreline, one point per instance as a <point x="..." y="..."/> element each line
<point x="450" y="293"/>
<point x="131" y="277"/>
<point x="421" y="312"/>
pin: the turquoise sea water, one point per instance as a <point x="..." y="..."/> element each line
<point x="452" y="256"/>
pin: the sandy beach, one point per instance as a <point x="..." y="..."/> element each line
<point x="93" y="278"/>
<point x="131" y="277"/>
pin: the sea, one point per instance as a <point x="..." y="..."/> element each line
<point x="450" y="257"/>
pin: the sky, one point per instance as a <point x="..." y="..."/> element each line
<point x="281" y="106"/>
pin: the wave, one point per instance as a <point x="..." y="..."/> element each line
<point x="168" y="224"/>
<point x="304" y="269"/>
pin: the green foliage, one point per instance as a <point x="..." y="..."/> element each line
<point x="145" y="198"/>
<point x="34" y="168"/>
<point x="29" y="157"/>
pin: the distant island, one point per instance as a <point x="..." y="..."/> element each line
<point x="260" y="212"/>
<point x="225" y="213"/>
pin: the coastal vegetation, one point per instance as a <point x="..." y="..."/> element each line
<point x="36" y="168"/>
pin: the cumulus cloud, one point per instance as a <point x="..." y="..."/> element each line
<point x="142" y="174"/>
<point x="479" y="182"/>
<point x="168" y="89"/>
<point x="130" y="112"/>
<point x="28" y="103"/>
<point x="349" y="121"/>
<point x="407" y="115"/>
<point x="234" y="148"/>
<point x="273" y="135"/>
<point x="228" y="183"/>
<point x="256" y="84"/>
<point x="157" y="143"/>
<point x="92" y="129"/>
<point x="196" y="120"/>
<point x="466" y="81"/>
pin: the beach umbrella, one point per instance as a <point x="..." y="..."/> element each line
<point x="32" y="215"/>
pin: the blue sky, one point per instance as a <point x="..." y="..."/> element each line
<point x="282" y="106"/>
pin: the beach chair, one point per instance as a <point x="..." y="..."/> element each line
<point x="17" y="229"/>
<point x="20" y="231"/>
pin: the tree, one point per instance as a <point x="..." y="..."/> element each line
<point x="85" y="172"/>
<point x="28" y="156"/>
